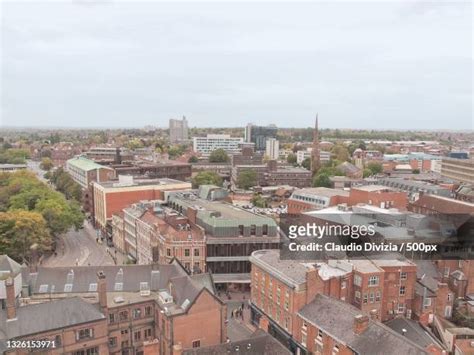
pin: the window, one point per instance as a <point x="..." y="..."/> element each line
<point x="357" y="280"/>
<point x="401" y="308"/>
<point x="403" y="276"/>
<point x="168" y="252"/>
<point x="147" y="333"/>
<point x="137" y="335"/>
<point x="90" y="351"/>
<point x="357" y="296"/>
<point x="196" y="252"/>
<point x="427" y="302"/>
<point x="343" y="284"/>
<point x="86" y="333"/>
<point x="196" y="343"/>
<point x="335" y="350"/>
<point x="124" y="346"/>
<point x="377" y="296"/>
<point x="118" y="286"/>
<point x="373" y="280"/>
<point x="450" y="296"/>
<point x="123" y="315"/>
<point x="278" y="294"/>
<point x="278" y="314"/>
<point x="365" y="300"/>
<point x="186" y="252"/>
<point x="303" y="339"/>
<point x="304" y="326"/>
<point x="148" y="311"/>
<point x="93" y="287"/>
<point x="402" y="290"/>
<point x="287" y="323"/>
<point x="113" y="342"/>
<point x="137" y="313"/>
<point x="371" y="297"/>
<point x="320" y="335"/>
<point x="112" y="318"/>
<point x="124" y="331"/>
<point x="446" y="271"/>
<point x="270" y="288"/>
<point x="58" y="340"/>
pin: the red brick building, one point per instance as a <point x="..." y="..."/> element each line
<point x="378" y="195"/>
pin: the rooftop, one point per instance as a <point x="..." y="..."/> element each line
<point x="336" y="318"/>
<point x="85" y="164"/>
<point x="321" y="191"/>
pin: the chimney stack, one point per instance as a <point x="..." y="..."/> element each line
<point x="361" y="322"/>
<point x="11" y="298"/>
<point x="373" y="314"/>
<point x="102" y="290"/>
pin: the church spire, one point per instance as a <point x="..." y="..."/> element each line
<point x="315" y="153"/>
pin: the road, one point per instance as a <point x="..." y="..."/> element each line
<point x="79" y="248"/>
<point x="34" y="166"/>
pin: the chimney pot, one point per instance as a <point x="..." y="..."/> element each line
<point x="11" y="298"/>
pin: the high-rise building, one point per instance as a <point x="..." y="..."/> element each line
<point x="178" y="130"/>
<point x="272" y="148"/>
<point x="259" y="135"/>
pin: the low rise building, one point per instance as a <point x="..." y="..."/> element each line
<point x="206" y="145"/>
<point x="315" y="198"/>
<point x="232" y="233"/>
<point x="461" y="170"/>
<point x="113" y="196"/>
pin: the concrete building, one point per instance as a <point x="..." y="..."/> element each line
<point x="232" y="233"/>
<point x="259" y="135"/>
<point x="85" y="172"/>
<point x="461" y="170"/>
<point x="159" y="170"/>
<point x="113" y="196"/>
<point x="115" y="310"/>
<point x="10" y="168"/>
<point x="301" y="155"/>
<point x="272" y="148"/>
<point x="206" y="145"/>
<point x="109" y="155"/>
<point x="178" y="130"/>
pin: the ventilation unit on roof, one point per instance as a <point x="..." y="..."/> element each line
<point x="119" y="299"/>
<point x="144" y="289"/>
<point x="165" y="297"/>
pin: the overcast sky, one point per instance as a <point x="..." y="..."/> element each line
<point x="377" y="65"/>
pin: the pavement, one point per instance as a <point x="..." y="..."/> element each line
<point x="238" y="327"/>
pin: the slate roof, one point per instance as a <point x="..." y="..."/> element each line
<point x="37" y="318"/>
<point x="8" y="267"/>
<point x="259" y="342"/>
<point x="414" y="331"/>
<point x="81" y="277"/>
<point x="336" y="318"/>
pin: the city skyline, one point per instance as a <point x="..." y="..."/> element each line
<point x="114" y="64"/>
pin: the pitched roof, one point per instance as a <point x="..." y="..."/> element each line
<point x="259" y="342"/>
<point x="8" y="267"/>
<point x="336" y="318"/>
<point x="37" y="318"/>
<point x="414" y="331"/>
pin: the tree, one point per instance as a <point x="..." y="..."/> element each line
<point x="46" y="164"/>
<point x="175" y="151"/>
<point x="322" y="180"/>
<point x="193" y="159"/>
<point x="218" y="156"/>
<point x="246" y="179"/>
<point x="340" y="152"/>
<point x="367" y="173"/>
<point x="20" y="231"/>
<point x="291" y="158"/>
<point x="206" y="178"/>
<point x="258" y="201"/>
<point x="306" y="163"/>
<point x="416" y="171"/>
<point x="375" y="167"/>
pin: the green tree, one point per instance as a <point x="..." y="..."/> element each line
<point x="175" y="151"/>
<point x="306" y="163"/>
<point x="20" y="231"/>
<point x="218" y="156"/>
<point x="367" y="173"/>
<point x="291" y="158"/>
<point x="206" y="178"/>
<point x="193" y="159"/>
<point x="416" y="171"/>
<point x="322" y="180"/>
<point x="258" y="201"/>
<point x="375" y="167"/>
<point x="46" y="164"/>
<point x="340" y="152"/>
<point x="246" y="179"/>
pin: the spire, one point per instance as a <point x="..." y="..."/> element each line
<point x="315" y="153"/>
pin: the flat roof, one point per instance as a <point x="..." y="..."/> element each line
<point x="85" y="164"/>
<point x="140" y="182"/>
